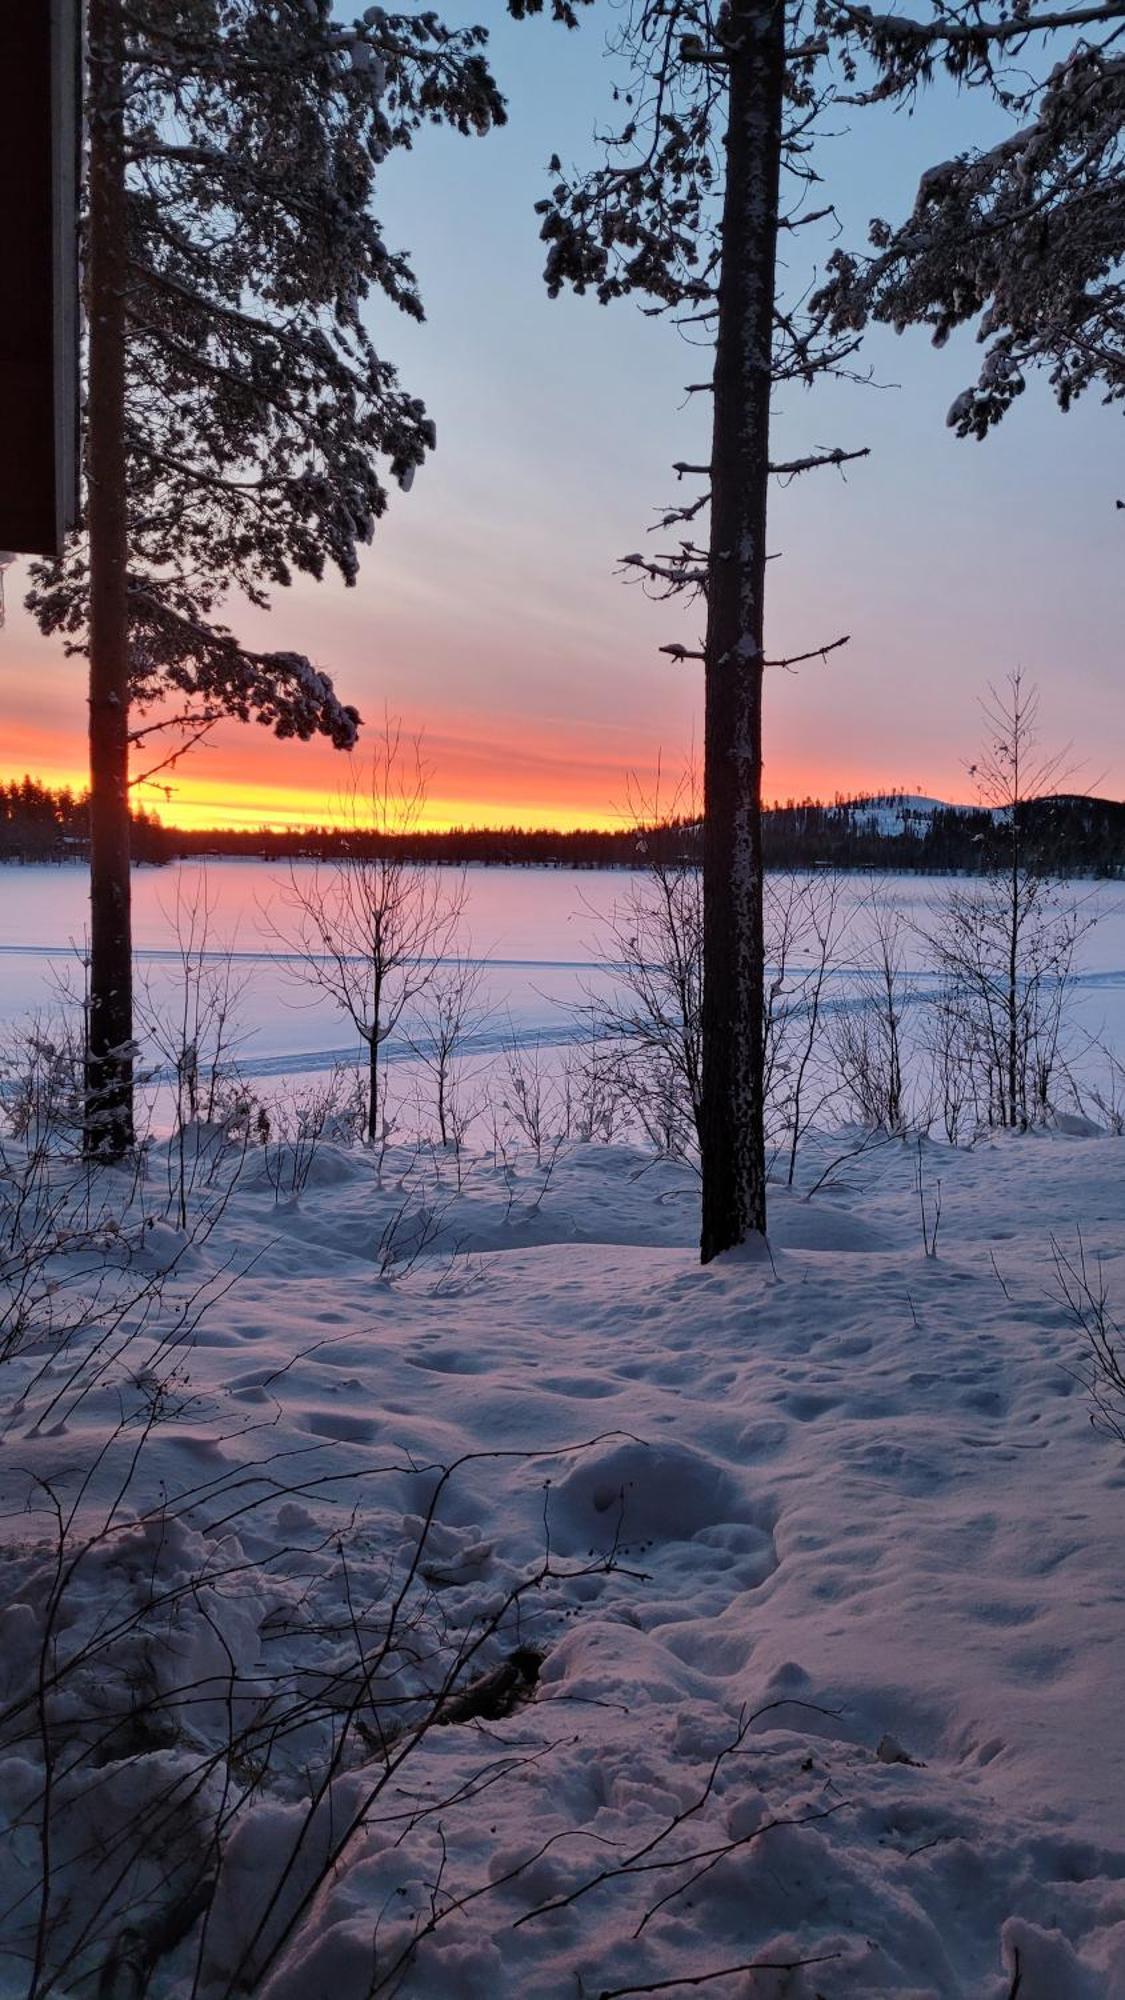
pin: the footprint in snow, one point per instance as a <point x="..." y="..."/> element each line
<point x="343" y="1425"/>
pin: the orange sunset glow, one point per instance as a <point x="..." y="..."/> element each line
<point x="551" y="767"/>
<point x="244" y="777"/>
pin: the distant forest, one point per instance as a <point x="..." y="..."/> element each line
<point x="1069" y="834"/>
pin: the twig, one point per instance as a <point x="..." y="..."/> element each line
<point x="724" y="1972"/>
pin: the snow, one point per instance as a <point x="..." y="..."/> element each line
<point x="801" y="1573"/>
<point x="538" y="932"/>
<point x="892" y="813"/>
<point x="819" y="1554"/>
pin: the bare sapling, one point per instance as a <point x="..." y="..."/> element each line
<point x="529" y="1093"/>
<point x="872" y="1046"/>
<point x="1010" y="1022"/>
<point x="651" y="1025"/>
<point x="1104" y="1095"/>
<point x="953" y="1063"/>
<point x="42" y="1067"/>
<point x="448" y="1013"/>
<point x="592" y="1109"/>
<point x="929" y="1211"/>
<point x="370" y="928"/>
<point x="1005" y="945"/>
<point x="191" y="1024"/>
<point x="298" y="1125"/>
<point x="658" y="1108"/>
<point x="650" y="1011"/>
<point x="802" y="932"/>
<point x="1082" y="1290"/>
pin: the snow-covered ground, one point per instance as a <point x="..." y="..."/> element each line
<point x="802" y="1577"/>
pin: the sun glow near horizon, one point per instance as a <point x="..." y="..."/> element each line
<point x="272" y="809"/>
<point x="208" y="805"/>
<point x="551" y="770"/>
<point x="197" y="802"/>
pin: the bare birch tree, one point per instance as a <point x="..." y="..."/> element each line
<point x="450" y="1011"/>
<point x="652" y="1018"/>
<point x="370" y="928"/>
<point x="802" y="936"/>
<point x="1005" y="943"/>
<point x="870" y="1038"/>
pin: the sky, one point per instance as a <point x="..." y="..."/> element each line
<point x="488" y="614"/>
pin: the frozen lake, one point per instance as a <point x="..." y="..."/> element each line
<point x="535" y="930"/>
<point x="539" y="934"/>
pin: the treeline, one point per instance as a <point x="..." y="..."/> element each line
<point x="1066" y="835"/>
<point x="40" y="824"/>
<point x="1063" y="835"/>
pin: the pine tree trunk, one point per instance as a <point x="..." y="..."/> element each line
<point x="733" y="1121"/>
<point x="109" y="1065"/>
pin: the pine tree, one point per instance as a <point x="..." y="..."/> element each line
<point x="1027" y="238"/>
<point x="712" y="160"/>
<point x="243" y="422"/>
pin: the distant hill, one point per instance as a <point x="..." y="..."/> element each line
<point x="1068" y="834"/>
<point x="895" y="813"/>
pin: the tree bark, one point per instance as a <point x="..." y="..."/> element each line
<point x="109" y="1060"/>
<point x="733" y="1122"/>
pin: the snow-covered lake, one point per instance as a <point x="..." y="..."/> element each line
<point x="536" y="929"/>
<point x="540" y="933"/>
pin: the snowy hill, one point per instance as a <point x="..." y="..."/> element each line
<point x="894" y="813"/>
